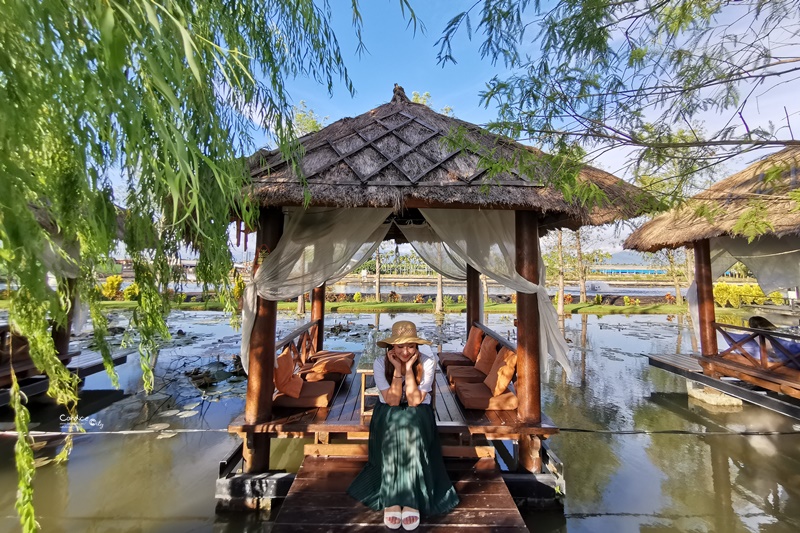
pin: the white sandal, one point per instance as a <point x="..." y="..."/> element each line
<point x="413" y="525"/>
<point x="392" y="514"/>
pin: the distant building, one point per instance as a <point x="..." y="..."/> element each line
<point x="618" y="270"/>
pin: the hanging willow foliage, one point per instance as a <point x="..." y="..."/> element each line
<point x="160" y="97"/>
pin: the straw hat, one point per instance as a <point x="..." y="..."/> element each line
<point x="403" y="332"/>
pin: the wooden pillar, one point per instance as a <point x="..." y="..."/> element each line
<point x="260" y="385"/>
<point x="473" y="296"/>
<point x="61" y="334"/>
<point x="318" y="312"/>
<point x="705" y="298"/>
<point x="528" y="345"/>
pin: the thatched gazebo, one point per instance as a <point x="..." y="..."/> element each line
<point x="398" y="163"/>
<point x="749" y="217"/>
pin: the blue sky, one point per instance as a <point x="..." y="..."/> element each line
<point x="397" y="55"/>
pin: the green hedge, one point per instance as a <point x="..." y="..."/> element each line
<point x="729" y="295"/>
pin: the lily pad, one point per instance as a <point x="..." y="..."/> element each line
<point x="166" y="435"/>
<point x="221" y="375"/>
<point x="192" y="405"/>
<point x="159" y="426"/>
<point x="187" y="414"/>
<point x="171" y="412"/>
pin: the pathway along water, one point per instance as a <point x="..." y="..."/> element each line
<point x="639" y="454"/>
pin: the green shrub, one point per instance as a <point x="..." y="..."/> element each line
<point x="238" y="286"/>
<point x="448" y="300"/>
<point x="357" y="297"/>
<point x="626" y="300"/>
<point x="461" y="298"/>
<point x="110" y="288"/>
<point x="598" y="299"/>
<point x="726" y="294"/>
<point x="131" y="292"/>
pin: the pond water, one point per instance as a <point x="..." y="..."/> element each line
<point x="639" y="454"/>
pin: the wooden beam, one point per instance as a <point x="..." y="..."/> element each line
<point x="473" y="297"/>
<point x="318" y="313"/>
<point x="705" y="298"/>
<point x="260" y="386"/>
<point x="528" y="341"/>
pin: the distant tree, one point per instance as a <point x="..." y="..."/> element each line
<point x="305" y="120"/>
<point x="425" y="99"/>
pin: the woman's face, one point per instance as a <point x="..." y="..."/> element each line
<point x="404" y="352"/>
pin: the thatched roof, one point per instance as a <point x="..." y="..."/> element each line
<point x="759" y="192"/>
<point x="396" y="156"/>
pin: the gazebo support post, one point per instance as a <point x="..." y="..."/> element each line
<point x="61" y="333"/>
<point x="473" y="297"/>
<point x="260" y="385"/>
<point x="705" y="298"/>
<point x="528" y="346"/>
<point x="318" y="313"/>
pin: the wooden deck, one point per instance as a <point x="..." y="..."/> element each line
<point x="689" y="367"/>
<point x="344" y="416"/>
<point x="82" y="365"/>
<point x="318" y="501"/>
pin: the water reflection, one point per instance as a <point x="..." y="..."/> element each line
<point x="623" y="472"/>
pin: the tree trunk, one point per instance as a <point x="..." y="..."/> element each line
<point x="581" y="267"/>
<point x="673" y="270"/>
<point x="689" y="265"/>
<point x="439" y="296"/>
<point x="560" y="295"/>
<point x="485" y="282"/>
<point x="301" y="304"/>
<point x="378" y="276"/>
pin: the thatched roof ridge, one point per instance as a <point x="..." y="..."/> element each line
<point x="396" y="154"/>
<point x="759" y="190"/>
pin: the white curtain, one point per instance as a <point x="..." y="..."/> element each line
<point x="317" y="245"/>
<point x="486" y="240"/>
<point x="434" y="252"/>
<point x="774" y="261"/>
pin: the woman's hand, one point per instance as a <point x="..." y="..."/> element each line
<point x="397" y="363"/>
<point x="411" y="360"/>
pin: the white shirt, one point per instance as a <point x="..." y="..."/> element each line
<point x="428" y="362"/>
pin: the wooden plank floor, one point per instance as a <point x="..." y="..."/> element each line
<point x="318" y="501"/>
<point x="344" y="415"/>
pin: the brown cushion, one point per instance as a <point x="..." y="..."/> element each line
<point x="478" y="396"/>
<point x="467" y="374"/>
<point x="447" y="359"/>
<point x="502" y="371"/>
<point x="318" y="394"/>
<point x="326" y="354"/>
<point x="286" y="381"/>
<point x="473" y="345"/>
<point x="487" y="355"/>
<point x="336" y="377"/>
<point x="342" y="366"/>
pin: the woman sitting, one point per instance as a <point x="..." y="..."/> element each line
<point x="405" y="473"/>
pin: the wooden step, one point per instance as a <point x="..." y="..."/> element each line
<point x="361" y="450"/>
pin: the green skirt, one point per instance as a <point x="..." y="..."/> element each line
<point x="405" y="465"/>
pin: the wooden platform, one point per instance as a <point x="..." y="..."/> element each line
<point x="344" y="416"/>
<point x="318" y="502"/>
<point x="80" y="365"/>
<point x="689" y="367"/>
